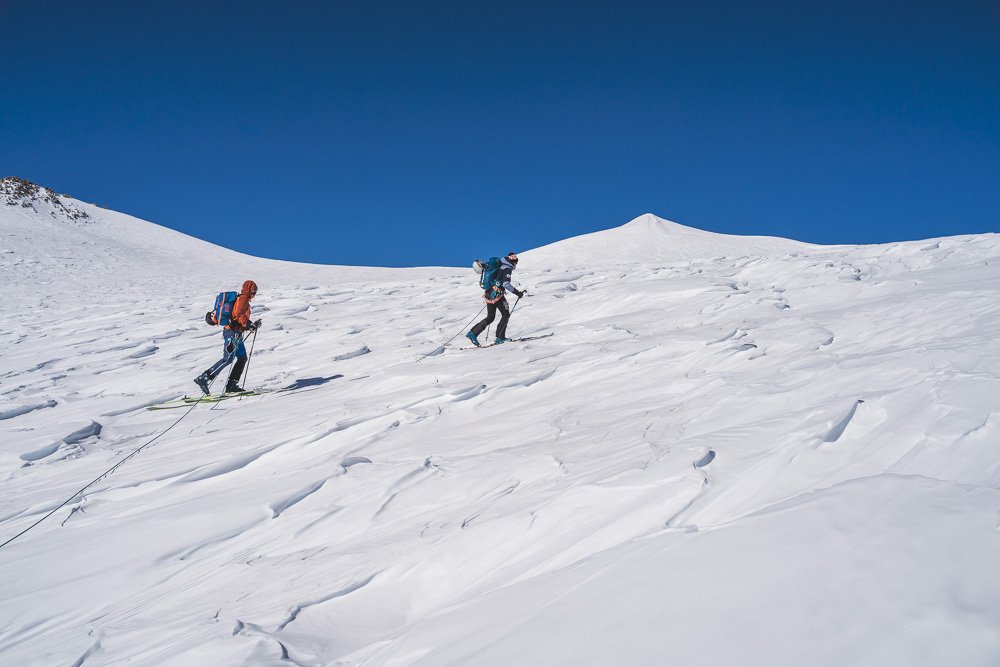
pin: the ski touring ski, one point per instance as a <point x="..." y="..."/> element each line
<point x="305" y="384"/>
<point x="185" y="401"/>
<point x="511" y="340"/>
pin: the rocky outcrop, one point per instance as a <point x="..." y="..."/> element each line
<point x="16" y="191"/>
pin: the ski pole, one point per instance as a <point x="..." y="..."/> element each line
<point x="246" y="370"/>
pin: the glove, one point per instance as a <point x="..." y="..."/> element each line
<point x="521" y="294"/>
<point x="254" y="325"/>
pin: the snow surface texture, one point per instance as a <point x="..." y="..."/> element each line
<point x="732" y="452"/>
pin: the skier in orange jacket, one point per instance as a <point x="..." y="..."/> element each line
<point x="232" y="338"/>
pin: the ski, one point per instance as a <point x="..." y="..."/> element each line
<point x="185" y="401"/>
<point x="299" y="385"/>
<point x="527" y="338"/>
<point x="511" y="340"/>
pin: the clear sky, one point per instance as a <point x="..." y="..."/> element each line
<point x="422" y="132"/>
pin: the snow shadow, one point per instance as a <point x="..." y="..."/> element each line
<point x="302" y="383"/>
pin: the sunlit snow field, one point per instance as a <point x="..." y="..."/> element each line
<point x="731" y="451"/>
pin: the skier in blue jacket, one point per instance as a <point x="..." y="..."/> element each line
<point x="495" y="297"/>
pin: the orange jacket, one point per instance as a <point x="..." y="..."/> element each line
<point x="240" y="318"/>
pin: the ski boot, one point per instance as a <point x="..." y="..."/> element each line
<point x="471" y="336"/>
<point x="202" y="382"/>
<point x="501" y="341"/>
<point x="233" y="387"/>
<point x="233" y="383"/>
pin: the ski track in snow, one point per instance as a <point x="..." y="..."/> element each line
<point x="711" y="434"/>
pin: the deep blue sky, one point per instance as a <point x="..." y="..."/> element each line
<point x="400" y="133"/>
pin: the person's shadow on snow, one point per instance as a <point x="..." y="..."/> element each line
<point x="311" y="382"/>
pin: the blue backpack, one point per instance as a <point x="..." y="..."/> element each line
<point x="491" y="270"/>
<point x="222" y="313"/>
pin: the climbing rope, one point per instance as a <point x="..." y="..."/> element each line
<point x="106" y="472"/>
<point x="102" y="476"/>
<point x="443" y="345"/>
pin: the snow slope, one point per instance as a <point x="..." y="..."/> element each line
<point x="731" y="451"/>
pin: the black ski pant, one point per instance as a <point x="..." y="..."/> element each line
<point x="491" y="313"/>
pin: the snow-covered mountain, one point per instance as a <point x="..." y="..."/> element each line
<point x="652" y="240"/>
<point x="730" y="451"/>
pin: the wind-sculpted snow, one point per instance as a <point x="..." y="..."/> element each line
<point x="780" y="455"/>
